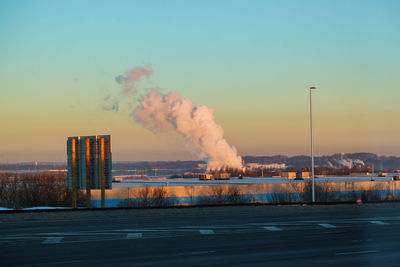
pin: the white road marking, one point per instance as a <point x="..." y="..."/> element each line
<point x="61" y="233"/>
<point x="361" y="240"/>
<point x="272" y="228"/>
<point x="209" y="226"/>
<point x="277" y="223"/>
<point x="378" y="222"/>
<point x="207" y="232"/>
<point x="327" y="225"/>
<point x="356" y="252"/>
<point x="134" y="235"/>
<point x="52" y="240"/>
<point x="195" y="253"/>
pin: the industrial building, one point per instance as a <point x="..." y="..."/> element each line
<point x="295" y="175"/>
<point x="89" y="162"/>
<point x="215" y="176"/>
<point x="273" y="166"/>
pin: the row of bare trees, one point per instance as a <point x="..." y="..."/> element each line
<point x="50" y="189"/>
<point x="147" y="197"/>
<point x="292" y="192"/>
<point x="326" y="192"/>
<point x="157" y="197"/>
<point x="35" y="189"/>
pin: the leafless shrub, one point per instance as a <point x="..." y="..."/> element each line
<point x="394" y="194"/>
<point x="235" y="196"/>
<point x="216" y="195"/>
<point x="147" y="197"/>
<point x="159" y="197"/>
<point x="279" y="195"/>
<point x="324" y="192"/>
<point x="144" y="195"/>
<point x="190" y="192"/>
<point x="290" y="192"/>
<point x="212" y="195"/>
<point x="377" y="192"/>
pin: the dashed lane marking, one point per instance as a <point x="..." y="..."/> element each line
<point x="327" y="225"/>
<point x="379" y="222"/>
<point x="134" y="235"/>
<point x="52" y="240"/>
<point x="355" y="252"/>
<point x="195" y="253"/>
<point x="207" y="232"/>
<point x="272" y="228"/>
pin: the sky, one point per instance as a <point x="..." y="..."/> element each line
<point x="251" y="61"/>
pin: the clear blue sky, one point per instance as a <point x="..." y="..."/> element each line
<point x="252" y="61"/>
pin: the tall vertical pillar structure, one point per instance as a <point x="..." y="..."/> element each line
<point x="89" y="165"/>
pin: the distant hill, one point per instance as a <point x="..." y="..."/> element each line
<point x="333" y="161"/>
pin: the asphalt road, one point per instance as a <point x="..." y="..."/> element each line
<point x="338" y="235"/>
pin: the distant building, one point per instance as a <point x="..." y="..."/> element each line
<point x="205" y="176"/>
<point x="305" y="174"/>
<point x="359" y="174"/>
<point x="201" y="165"/>
<point x="302" y="175"/>
<point x="89" y="158"/>
<point x="215" y="176"/>
<point x="222" y="176"/>
<point x="293" y="175"/>
<point x="266" y="166"/>
<point x="289" y="175"/>
<point x="275" y="166"/>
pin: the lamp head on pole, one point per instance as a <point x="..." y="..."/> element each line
<point x="313" y="87"/>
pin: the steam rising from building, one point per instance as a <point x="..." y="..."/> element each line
<point x="163" y="112"/>
<point x="159" y="112"/>
<point x="131" y="77"/>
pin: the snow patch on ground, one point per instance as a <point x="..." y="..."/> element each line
<point x="47" y="208"/>
<point x="2" y="208"/>
<point x="38" y="208"/>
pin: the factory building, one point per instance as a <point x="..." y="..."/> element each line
<point x="215" y="176"/>
<point x="296" y="175"/>
<point x="89" y="162"/>
<point x="266" y="166"/>
<point x="205" y="176"/>
<point x="289" y="175"/>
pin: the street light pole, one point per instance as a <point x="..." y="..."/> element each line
<point x="312" y="148"/>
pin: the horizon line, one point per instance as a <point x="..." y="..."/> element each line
<point x="199" y="160"/>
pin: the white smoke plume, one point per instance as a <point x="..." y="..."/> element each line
<point x="131" y="77"/>
<point x="162" y="112"/>
<point x="346" y="162"/>
<point x="111" y="104"/>
<point x="129" y="83"/>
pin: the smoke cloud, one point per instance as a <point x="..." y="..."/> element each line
<point x="160" y="112"/>
<point x="130" y="78"/>
<point x="346" y="162"/>
<point x="111" y="104"/>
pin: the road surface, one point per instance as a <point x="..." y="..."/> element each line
<point x="332" y="235"/>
